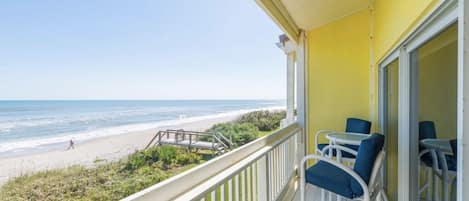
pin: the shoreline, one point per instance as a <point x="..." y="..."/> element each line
<point x="60" y="142"/>
<point x="106" y="148"/>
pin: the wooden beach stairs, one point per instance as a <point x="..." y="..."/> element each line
<point x="216" y="142"/>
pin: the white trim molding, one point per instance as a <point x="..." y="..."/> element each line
<point x="463" y="101"/>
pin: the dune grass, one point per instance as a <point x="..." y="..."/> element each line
<point x="108" y="181"/>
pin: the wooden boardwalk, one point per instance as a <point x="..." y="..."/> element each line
<point x="192" y="139"/>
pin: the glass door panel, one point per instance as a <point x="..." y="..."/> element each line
<point x="391" y="99"/>
<point x="434" y="100"/>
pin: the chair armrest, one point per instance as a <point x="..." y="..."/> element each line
<point x="423" y="152"/>
<point x="358" y="178"/>
<point x="434" y="157"/>
<point x="341" y="148"/>
<point x="316" y="138"/>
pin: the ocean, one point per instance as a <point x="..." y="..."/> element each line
<point x="33" y="125"/>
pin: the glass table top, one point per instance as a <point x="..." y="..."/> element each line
<point x="347" y="138"/>
<point x="439" y="144"/>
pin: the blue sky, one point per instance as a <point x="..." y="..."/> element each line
<point x="141" y="49"/>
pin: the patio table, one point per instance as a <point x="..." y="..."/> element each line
<point x="345" y="138"/>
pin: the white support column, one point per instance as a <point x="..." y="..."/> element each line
<point x="463" y="101"/>
<point x="290" y="49"/>
<point x="301" y="95"/>
<point x="290" y="87"/>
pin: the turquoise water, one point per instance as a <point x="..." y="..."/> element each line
<point x="31" y="124"/>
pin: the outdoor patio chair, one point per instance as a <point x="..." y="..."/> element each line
<point x="353" y="125"/>
<point x="427" y="130"/>
<point x="359" y="183"/>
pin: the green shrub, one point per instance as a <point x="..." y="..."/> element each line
<point x="167" y="154"/>
<point x="264" y="120"/>
<point x="239" y="133"/>
<point x="188" y="158"/>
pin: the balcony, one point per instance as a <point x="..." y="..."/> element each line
<point x="265" y="169"/>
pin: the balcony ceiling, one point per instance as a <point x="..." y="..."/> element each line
<point x="309" y="14"/>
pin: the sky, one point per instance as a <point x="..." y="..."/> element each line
<point x="139" y="49"/>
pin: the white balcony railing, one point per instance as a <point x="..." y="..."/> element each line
<point x="264" y="169"/>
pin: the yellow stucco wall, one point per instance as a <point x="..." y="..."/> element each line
<point x="339" y="61"/>
<point x="339" y="71"/>
<point x="394" y="20"/>
<point x="338" y="57"/>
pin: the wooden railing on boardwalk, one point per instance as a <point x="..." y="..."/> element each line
<point x="192" y="139"/>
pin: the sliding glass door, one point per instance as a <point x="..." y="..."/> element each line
<point x="390" y="126"/>
<point x="433" y="111"/>
<point x="418" y="88"/>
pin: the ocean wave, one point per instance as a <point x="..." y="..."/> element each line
<point x="117" y="130"/>
<point x="6" y="126"/>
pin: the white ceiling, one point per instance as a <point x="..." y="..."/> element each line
<point x="309" y="14"/>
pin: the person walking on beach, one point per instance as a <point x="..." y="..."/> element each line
<point x="71" y="145"/>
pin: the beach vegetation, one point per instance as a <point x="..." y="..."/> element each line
<point x="109" y="181"/>
<point x="250" y="126"/>
<point x="264" y="120"/>
<point x="239" y="133"/>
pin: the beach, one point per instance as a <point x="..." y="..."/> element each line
<point x="101" y="149"/>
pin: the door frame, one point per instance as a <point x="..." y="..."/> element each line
<point x="441" y="18"/>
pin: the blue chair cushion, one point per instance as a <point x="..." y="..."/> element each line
<point x="334" y="152"/>
<point x="331" y="178"/>
<point x="452" y="163"/>
<point x="355" y="125"/>
<point x="454" y="147"/>
<point x="353" y="147"/>
<point x="427" y="130"/>
<point x="454" y="159"/>
<point x="367" y="153"/>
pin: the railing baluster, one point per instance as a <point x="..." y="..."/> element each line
<point x="276" y="165"/>
<point x="249" y="185"/>
<point x="282" y="164"/>
<point x="222" y="192"/>
<point x="236" y="184"/>
<point x="262" y="179"/>
<point x="254" y="181"/>
<point x="213" y="195"/>
<point x="271" y="179"/>
<point x="230" y="190"/>
<point x="243" y="185"/>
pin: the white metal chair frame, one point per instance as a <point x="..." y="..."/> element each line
<point x="436" y="173"/>
<point x="316" y="140"/>
<point x="349" y="161"/>
<point x="371" y="191"/>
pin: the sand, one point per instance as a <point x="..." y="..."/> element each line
<point x="85" y="153"/>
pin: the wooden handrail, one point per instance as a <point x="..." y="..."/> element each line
<point x="216" y="139"/>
